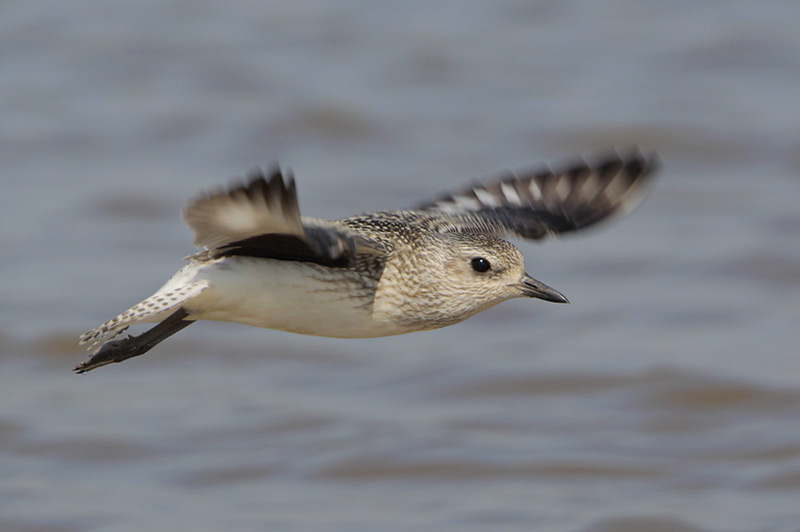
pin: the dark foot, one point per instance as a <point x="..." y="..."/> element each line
<point x="115" y="351"/>
<point x="133" y="346"/>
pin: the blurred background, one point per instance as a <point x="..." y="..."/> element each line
<point x="666" y="397"/>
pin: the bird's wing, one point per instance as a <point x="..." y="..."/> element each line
<point x="540" y="202"/>
<point x="260" y="218"/>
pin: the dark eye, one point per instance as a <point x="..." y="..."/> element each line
<point x="479" y="264"/>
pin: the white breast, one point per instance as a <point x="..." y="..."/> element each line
<point x="290" y="296"/>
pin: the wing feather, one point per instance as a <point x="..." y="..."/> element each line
<point x="540" y="202"/>
<point x="262" y="205"/>
<point x="261" y="218"/>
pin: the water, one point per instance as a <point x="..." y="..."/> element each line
<point x="666" y="397"/>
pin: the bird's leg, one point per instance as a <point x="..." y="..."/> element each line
<point x="133" y="346"/>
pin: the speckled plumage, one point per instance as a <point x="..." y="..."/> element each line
<point x="376" y="274"/>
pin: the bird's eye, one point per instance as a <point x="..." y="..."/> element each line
<point x="479" y="264"/>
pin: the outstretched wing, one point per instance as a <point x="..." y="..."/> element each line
<point x="260" y="218"/>
<point x="537" y="203"/>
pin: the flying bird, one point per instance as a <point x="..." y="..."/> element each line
<point x="379" y="274"/>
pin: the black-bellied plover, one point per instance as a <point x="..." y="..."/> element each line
<point x="377" y="274"/>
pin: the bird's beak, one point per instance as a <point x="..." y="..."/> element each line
<point x="533" y="288"/>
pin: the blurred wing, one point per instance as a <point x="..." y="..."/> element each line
<point x="262" y="205"/>
<point x="542" y="202"/>
<point x="260" y="218"/>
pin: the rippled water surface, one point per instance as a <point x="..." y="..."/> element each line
<point x="666" y="397"/>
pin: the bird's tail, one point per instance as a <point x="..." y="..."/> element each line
<point x="153" y="309"/>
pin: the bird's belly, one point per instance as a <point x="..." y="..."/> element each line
<point x="289" y="296"/>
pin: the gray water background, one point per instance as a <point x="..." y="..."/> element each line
<point x="666" y="397"/>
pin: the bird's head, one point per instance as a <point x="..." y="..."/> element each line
<point x="467" y="274"/>
<point x="489" y="271"/>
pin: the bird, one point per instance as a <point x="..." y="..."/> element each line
<point x="378" y="274"/>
